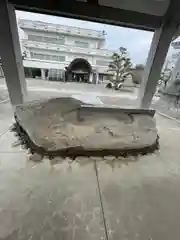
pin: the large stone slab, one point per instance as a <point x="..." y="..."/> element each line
<point x="63" y="126"/>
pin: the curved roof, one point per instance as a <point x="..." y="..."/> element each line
<point x="77" y="62"/>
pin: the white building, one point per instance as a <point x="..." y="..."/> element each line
<point x="64" y="52"/>
<point x="175" y="54"/>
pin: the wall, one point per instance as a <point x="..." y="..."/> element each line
<point x="61" y="29"/>
<point x="91" y="54"/>
<point x="102" y="53"/>
<point x="70" y="40"/>
<point x="43" y="64"/>
<point x="55" y="65"/>
<point x="41" y="33"/>
<point x="69" y="56"/>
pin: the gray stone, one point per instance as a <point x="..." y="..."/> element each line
<point x="58" y="127"/>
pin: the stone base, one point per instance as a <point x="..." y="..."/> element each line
<point x="63" y="127"/>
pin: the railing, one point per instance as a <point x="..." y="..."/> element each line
<point x="102" y="69"/>
<point x="67" y="48"/>
<point x="45" y="60"/>
<point x="67" y="30"/>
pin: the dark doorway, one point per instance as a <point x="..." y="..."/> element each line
<point x="78" y="70"/>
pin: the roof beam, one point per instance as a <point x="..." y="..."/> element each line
<point x="172" y="16"/>
<point x="90" y="12"/>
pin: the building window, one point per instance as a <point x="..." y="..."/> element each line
<point x="102" y="62"/>
<point x="61" y="58"/>
<point x="35" y="38"/>
<point x="81" y="44"/>
<point x="57" y="40"/>
<point x="175" y="55"/>
<point x="47" y="57"/>
<point x="37" y="55"/>
<point x="54" y="58"/>
<point x="58" y="58"/>
<point x="54" y="40"/>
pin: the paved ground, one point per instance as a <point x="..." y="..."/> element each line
<point x="88" y="92"/>
<point x="167" y="107"/>
<point x="129" y="199"/>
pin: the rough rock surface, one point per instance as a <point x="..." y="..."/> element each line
<point x="60" y="127"/>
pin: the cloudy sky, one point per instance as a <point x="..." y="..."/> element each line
<point x="136" y="41"/>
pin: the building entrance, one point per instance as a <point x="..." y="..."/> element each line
<point x="80" y="77"/>
<point x="79" y="70"/>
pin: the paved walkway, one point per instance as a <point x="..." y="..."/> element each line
<point x="134" y="198"/>
<point x="128" y="199"/>
<point x="48" y="88"/>
<point x="167" y="108"/>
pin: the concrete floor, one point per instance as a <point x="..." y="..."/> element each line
<point x="89" y="92"/>
<point x="129" y="199"/>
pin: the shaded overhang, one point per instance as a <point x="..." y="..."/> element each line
<point x="140" y="14"/>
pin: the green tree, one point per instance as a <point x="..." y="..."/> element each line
<point x="120" y="64"/>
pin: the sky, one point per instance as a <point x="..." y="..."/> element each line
<point x="136" y="41"/>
